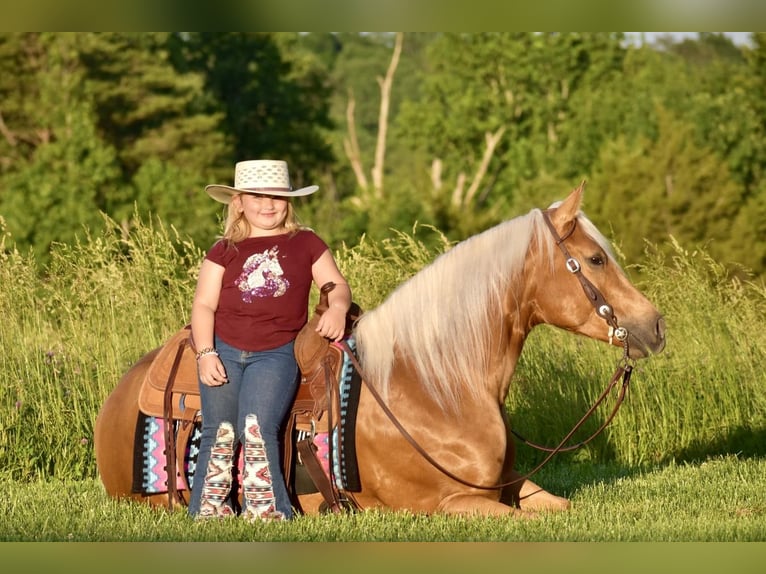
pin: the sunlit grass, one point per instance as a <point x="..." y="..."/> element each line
<point x="723" y="499"/>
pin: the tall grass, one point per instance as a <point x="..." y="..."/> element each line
<point x="69" y="333"/>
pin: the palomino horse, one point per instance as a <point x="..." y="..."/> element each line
<point x="438" y="356"/>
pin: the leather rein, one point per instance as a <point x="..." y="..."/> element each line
<point x="623" y="370"/>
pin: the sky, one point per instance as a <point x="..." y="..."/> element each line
<point x="739" y="38"/>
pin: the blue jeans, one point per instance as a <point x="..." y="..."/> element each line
<point x="263" y="383"/>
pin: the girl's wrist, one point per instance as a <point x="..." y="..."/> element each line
<point x="206" y="351"/>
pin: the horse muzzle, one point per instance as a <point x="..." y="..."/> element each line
<point x="646" y="339"/>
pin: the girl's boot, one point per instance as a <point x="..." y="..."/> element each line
<point x="256" y="481"/>
<point x="217" y="485"/>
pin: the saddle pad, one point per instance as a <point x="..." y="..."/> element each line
<point x="150" y="462"/>
<point x="349" y="387"/>
<point x="185" y="399"/>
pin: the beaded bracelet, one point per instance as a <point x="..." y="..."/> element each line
<point x="206" y="351"/>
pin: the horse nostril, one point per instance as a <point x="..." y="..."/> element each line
<point x="660" y="328"/>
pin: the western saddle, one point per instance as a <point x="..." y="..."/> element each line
<point x="170" y="391"/>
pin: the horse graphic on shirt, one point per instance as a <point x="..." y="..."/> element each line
<point x="262" y="276"/>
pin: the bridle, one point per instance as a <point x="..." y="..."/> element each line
<point x="623" y="370"/>
<point x="603" y="309"/>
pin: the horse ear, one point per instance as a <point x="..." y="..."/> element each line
<point x="568" y="209"/>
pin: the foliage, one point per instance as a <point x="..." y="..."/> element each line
<point x="266" y="107"/>
<point x="114" y="122"/>
<point x="55" y="190"/>
<point x="516" y="87"/>
<point x="698" y="198"/>
<point x="481" y="126"/>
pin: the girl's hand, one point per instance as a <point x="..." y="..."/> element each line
<point x="211" y="371"/>
<point x="332" y="324"/>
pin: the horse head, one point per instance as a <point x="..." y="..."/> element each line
<point x="582" y="288"/>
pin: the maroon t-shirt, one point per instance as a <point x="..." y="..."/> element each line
<point x="265" y="291"/>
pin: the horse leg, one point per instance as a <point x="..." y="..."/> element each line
<point x="465" y="503"/>
<point x="527" y="495"/>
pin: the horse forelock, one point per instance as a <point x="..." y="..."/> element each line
<point x="593" y="232"/>
<point x="445" y="319"/>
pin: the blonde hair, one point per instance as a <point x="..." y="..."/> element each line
<point x="236" y="227"/>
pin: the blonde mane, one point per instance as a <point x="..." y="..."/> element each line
<point x="445" y="319"/>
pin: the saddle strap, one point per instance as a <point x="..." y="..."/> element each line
<point x="308" y="450"/>
<point x="171" y="456"/>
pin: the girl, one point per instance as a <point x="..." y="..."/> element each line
<point x="250" y="303"/>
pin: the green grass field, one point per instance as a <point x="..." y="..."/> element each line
<point x="683" y="460"/>
<point x="722" y="499"/>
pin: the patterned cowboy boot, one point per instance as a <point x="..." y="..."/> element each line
<point x="256" y="479"/>
<point x="217" y="485"/>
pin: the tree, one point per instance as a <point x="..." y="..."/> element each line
<point x="170" y="122"/>
<point x="374" y="180"/>
<point x="157" y="118"/>
<point x="494" y="114"/>
<point x="53" y="195"/>
<point x="351" y="142"/>
<point x="649" y="189"/>
<point x="267" y="109"/>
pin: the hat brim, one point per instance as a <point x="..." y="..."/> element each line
<point x="224" y="193"/>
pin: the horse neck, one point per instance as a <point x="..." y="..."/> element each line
<point x="515" y="330"/>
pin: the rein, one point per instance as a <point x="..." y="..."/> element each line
<point x="604" y="310"/>
<point x="624" y="370"/>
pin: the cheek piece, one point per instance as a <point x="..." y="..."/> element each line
<point x="603" y="309"/>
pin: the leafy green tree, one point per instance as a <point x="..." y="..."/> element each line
<point x="494" y="114"/>
<point x="52" y="195"/>
<point x="131" y="102"/>
<point x="267" y="109"/>
<point x="355" y="200"/>
<point x="650" y="189"/>
<point x="147" y="109"/>
<point x="168" y="137"/>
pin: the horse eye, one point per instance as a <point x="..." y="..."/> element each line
<point x="597" y="260"/>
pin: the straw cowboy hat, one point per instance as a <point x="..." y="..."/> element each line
<point x="260" y="176"/>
